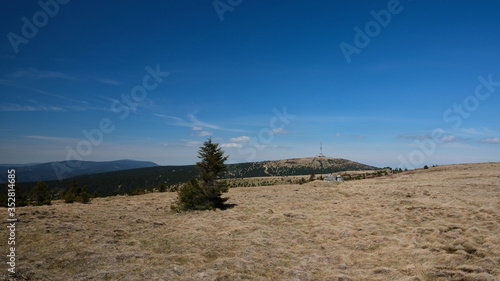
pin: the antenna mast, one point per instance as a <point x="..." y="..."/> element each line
<point x="321" y="149"/>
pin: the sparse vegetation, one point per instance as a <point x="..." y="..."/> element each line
<point x="301" y="181"/>
<point x="312" y="177"/>
<point x="41" y="195"/>
<point x="76" y="193"/>
<point x="21" y="196"/>
<point x="162" y="187"/>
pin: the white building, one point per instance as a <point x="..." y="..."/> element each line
<point x="334" y="178"/>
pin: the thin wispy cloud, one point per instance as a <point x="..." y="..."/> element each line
<point x="6" y="82"/>
<point x="240" y="139"/>
<point x="279" y="131"/>
<point x="193" y="143"/>
<point x="41" y="107"/>
<point x="18" y="107"/>
<point x="65" y="98"/>
<point x="48" y="138"/>
<point x="266" y="146"/>
<point x="36" y="74"/>
<point x="413" y="137"/>
<point x="450" y="138"/>
<point x="495" y="140"/>
<point x="194" y="123"/>
<point x="202" y="133"/>
<point x="169" y="117"/>
<point x="87" y="108"/>
<point x="198" y="123"/>
<point x="109" y="81"/>
<point x="40" y="91"/>
<point x="33" y="73"/>
<point x="447" y="138"/>
<point x="475" y="132"/>
<point x="231" y="145"/>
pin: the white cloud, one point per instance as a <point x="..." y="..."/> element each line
<point x="491" y="140"/>
<point x="449" y="138"/>
<point x="203" y="134"/>
<point x="279" y="131"/>
<point x="231" y="145"/>
<point x="240" y="139"/>
<point x="197" y="128"/>
<point x="194" y="143"/>
<point x="338" y="134"/>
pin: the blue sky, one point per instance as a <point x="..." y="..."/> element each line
<point x="418" y="84"/>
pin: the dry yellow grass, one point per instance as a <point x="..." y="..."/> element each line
<point x="437" y="224"/>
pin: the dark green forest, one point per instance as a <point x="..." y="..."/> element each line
<point x="141" y="180"/>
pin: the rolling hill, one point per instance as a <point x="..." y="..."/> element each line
<point x="67" y="169"/>
<point x="296" y="166"/>
<point x="125" y="181"/>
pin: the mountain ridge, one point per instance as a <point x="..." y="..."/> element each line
<point x="126" y="181"/>
<point x="58" y="170"/>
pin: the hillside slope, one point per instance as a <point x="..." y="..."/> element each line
<point x="436" y="224"/>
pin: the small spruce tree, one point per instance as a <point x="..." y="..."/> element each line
<point x="76" y="193"/>
<point x="206" y="193"/>
<point x="41" y="194"/>
<point x="191" y="196"/>
<point x="162" y="187"/>
<point x="312" y="177"/>
<point x="69" y="197"/>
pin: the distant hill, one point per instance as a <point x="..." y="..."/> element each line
<point x="296" y="166"/>
<point x="124" y="181"/>
<point x="10" y="166"/>
<point x="68" y="169"/>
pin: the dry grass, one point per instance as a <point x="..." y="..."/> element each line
<point x="436" y="224"/>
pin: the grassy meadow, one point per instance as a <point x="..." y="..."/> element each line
<point x="442" y="223"/>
